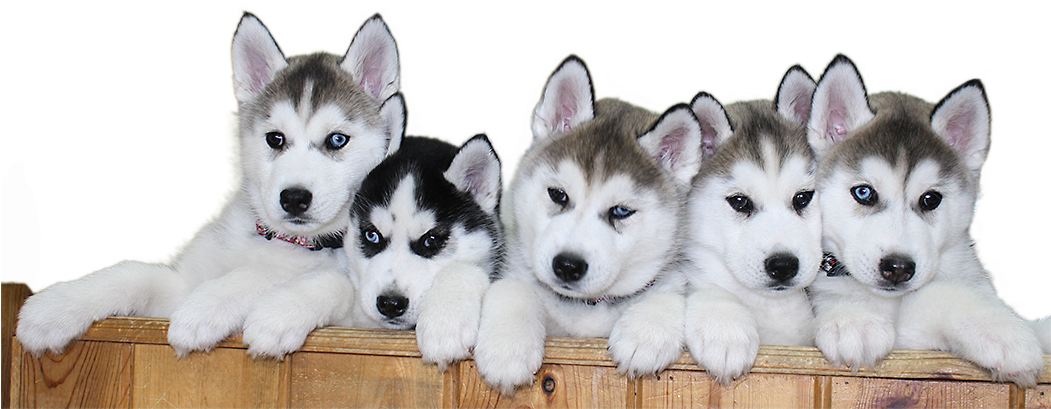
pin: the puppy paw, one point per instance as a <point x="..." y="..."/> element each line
<point x="199" y="325"/>
<point x="726" y="348"/>
<point x="509" y="361"/>
<point x="1006" y="347"/>
<point x="275" y="328"/>
<point x="446" y="335"/>
<point x="50" y="320"/>
<point x="854" y="338"/>
<point x="645" y="345"/>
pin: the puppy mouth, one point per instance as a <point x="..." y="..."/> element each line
<point x="299" y="221"/>
<point x="398" y="324"/>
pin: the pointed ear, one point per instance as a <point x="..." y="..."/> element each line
<point x="256" y="57"/>
<point x="567" y="102"/>
<point x="794" y="95"/>
<point x="394" y="117"/>
<point x="476" y="170"/>
<point x="840" y="105"/>
<point x="715" y="123"/>
<point x="675" y="143"/>
<point x="962" y="120"/>
<point x="372" y="60"/>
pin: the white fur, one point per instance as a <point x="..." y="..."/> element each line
<point x="732" y="308"/>
<point x="840" y="105"/>
<point x="444" y="291"/>
<point x="530" y="302"/>
<point x="950" y="303"/>
<point x="228" y="273"/>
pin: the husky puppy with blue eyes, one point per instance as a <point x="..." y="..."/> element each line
<point x="311" y="127"/>
<point x="898" y="179"/>
<point x="754" y="227"/>
<point x="593" y="221"/>
<point x="424" y="242"/>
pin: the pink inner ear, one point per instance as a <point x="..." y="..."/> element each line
<point x="370" y="80"/>
<point x="707" y="139"/>
<point x="671" y="146"/>
<point x="567" y="104"/>
<point x="837" y="127"/>
<point x="957" y="131"/>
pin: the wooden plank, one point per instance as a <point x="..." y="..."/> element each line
<point x="88" y="374"/>
<point x="1039" y="397"/>
<point x="326" y="380"/>
<point x="224" y="378"/>
<point x="683" y="389"/>
<point x="13" y="296"/>
<point x="556" y="386"/>
<point x="850" y="392"/>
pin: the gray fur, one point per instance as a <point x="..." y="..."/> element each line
<point x="755" y="124"/>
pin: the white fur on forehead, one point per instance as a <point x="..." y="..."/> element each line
<point x="715" y="125"/>
<point x="567" y="101"/>
<point x="256" y="58"/>
<point x="962" y="120"/>
<point x="840" y="105"/>
<point x="476" y="170"/>
<point x="372" y="60"/>
<point x="795" y="95"/>
<point x="675" y="142"/>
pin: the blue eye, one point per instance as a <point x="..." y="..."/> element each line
<point x="865" y="195"/>
<point x="337" y="141"/>
<point x="372" y="236"/>
<point x="620" y="212"/>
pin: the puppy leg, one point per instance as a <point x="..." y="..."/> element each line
<point x="649" y="335"/>
<point x="280" y="320"/>
<point x="721" y="333"/>
<point x="511" y="334"/>
<point x="975" y="325"/>
<point x="61" y="313"/>
<point x="853" y="326"/>
<point x="449" y="314"/>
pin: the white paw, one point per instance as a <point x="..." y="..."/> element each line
<point x="446" y="335"/>
<point x="645" y="345"/>
<point x="1008" y="348"/>
<point x="510" y="361"/>
<point x="724" y="347"/>
<point x="51" y="319"/>
<point x="199" y="325"/>
<point x="275" y="328"/>
<point x="854" y="338"/>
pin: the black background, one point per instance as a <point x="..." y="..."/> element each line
<point x="118" y="111"/>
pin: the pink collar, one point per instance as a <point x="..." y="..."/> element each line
<point x="312" y="243"/>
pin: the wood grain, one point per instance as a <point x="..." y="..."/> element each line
<point x="13" y="296"/>
<point x="124" y="362"/>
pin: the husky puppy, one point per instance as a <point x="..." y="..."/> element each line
<point x="755" y="231"/>
<point x="311" y="127"/>
<point x="898" y="181"/>
<point x="425" y="241"/>
<point x="593" y="223"/>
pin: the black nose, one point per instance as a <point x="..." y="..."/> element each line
<point x="897" y="269"/>
<point x="392" y="305"/>
<point x="569" y="267"/>
<point x="295" y="201"/>
<point x="782" y="267"/>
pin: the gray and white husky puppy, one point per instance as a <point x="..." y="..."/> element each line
<point x="898" y="179"/>
<point x="311" y="127"/>
<point x="593" y="221"/>
<point x="754" y="227"/>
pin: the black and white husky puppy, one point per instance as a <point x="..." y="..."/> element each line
<point x="425" y="241"/>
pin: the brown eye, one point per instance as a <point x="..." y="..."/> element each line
<point x="741" y="204"/>
<point x="930" y="200"/>
<point x="275" y="139"/>
<point x="802" y="200"/>
<point x="558" y="196"/>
